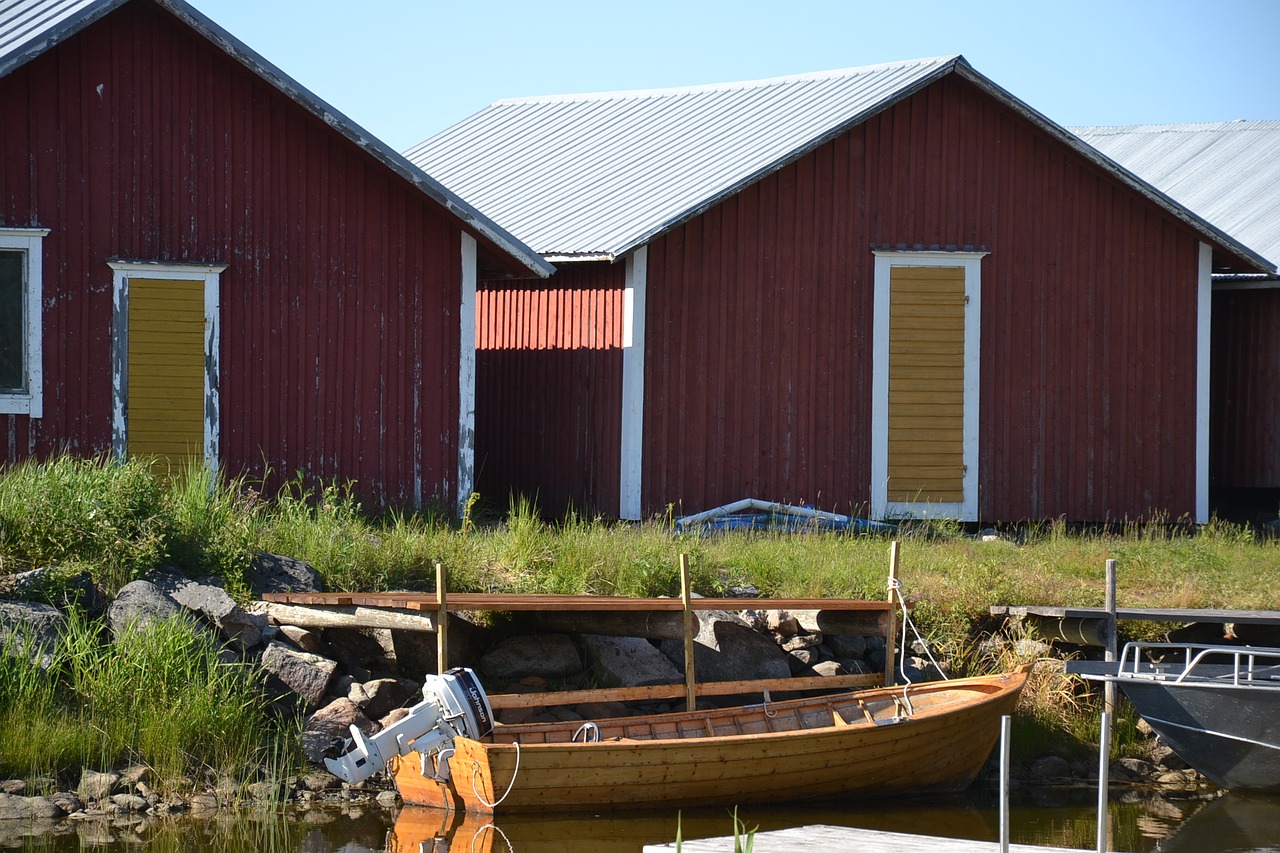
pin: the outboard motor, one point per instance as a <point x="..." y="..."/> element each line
<point x="453" y="705"/>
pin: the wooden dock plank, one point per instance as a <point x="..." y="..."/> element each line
<point x="511" y="602"/>
<point x="845" y="839"/>
<point x="1143" y="614"/>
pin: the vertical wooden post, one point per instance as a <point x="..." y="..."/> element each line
<point x="442" y="622"/>
<point x="1109" y="689"/>
<point x="686" y="598"/>
<point x="891" y="639"/>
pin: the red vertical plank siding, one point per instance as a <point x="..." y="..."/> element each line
<point x="1246" y="402"/>
<point x="549" y="389"/>
<point x="758" y="367"/>
<point x="339" y="349"/>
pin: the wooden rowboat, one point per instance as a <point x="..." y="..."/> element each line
<point x="922" y="738"/>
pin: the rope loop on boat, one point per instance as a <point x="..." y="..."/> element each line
<point x="590" y="733"/>
<point x="475" y="771"/>
<point x="896" y="586"/>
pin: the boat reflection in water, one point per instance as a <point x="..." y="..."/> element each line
<point x="1233" y="823"/>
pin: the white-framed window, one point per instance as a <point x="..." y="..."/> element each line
<point x="21" y="354"/>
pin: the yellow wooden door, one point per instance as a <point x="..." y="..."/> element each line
<point x="926" y="384"/>
<point x="166" y="371"/>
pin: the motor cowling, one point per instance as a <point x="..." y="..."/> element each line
<point x="453" y="705"/>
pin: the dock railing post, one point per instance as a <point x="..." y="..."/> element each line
<point x="1006" y="727"/>
<point x="442" y="623"/>
<point x="1104" y="764"/>
<point x="686" y="600"/>
<point x="891" y="632"/>
<point x="1109" y="687"/>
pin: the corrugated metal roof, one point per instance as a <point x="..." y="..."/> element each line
<point x="1228" y="172"/>
<point x="28" y="28"/>
<point x="597" y="175"/>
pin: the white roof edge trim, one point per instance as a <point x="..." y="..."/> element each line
<point x="949" y="64"/>
<point x="1206" y="229"/>
<point x="585" y="256"/>
<point x="298" y="93"/>
<point x="733" y="86"/>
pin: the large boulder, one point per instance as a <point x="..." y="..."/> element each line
<point x="357" y="649"/>
<point x="53" y="586"/>
<point x="274" y="573"/>
<point x="138" y="605"/>
<point x="727" y="649"/>
<point x="213" y="606"/>
<point x="13" y="807"/>
<point x="29" y="628"/>
<point x="628" y="661"/>
<point x="291" y="672"/>
<point x="543" y="655"/>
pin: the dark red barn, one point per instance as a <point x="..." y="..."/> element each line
<point x="201" y="259"/>
<point x="893" y="290"/>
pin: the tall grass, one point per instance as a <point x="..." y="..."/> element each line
<point x="162" y="698"/>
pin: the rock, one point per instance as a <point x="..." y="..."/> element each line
<point x="781" y="622"/>
<point x="31" y="629"/>
<point x="138" y="605"/>
<point x="320" y="780"/>
<point x="545" y="655"/>
<point x="274" y="573"/>
<point x="263" y="791"/>
<point x="68" y="802"/>
<point x="202" y="803"/>
<point x="1132" y="768"/>
<point x="847" y="647"/>
<point x="54" y="587"/>
<point x="318" y="746"/>
<point x="802" y="660"/>
<point x="628" y="661"/>
<point x="308" y="641"/>
<point x="394" y="717"/>
<point x="828" y="668"/>
<point x="802" y="641"/>
<point x="14" y="807"/>
<point x="387" y="799"/>
<point x="338" y="717"/>
<point x="214" y="607"/>
<point x="1050" y="767"/>
<point x="726" y="649"/>
<point x="96" y="786"/>
<point x="130" y="803"/>
<point x="361" y="648"/>
<point x="291" y="672"/>
<point x="1176" y="779"/>
<point x="382" y="696"/>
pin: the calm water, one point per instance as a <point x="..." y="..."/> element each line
<point x="1139" y="824"/>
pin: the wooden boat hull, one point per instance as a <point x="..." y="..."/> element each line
<point x="796" y="750"/>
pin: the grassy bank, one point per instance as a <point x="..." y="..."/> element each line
<point x="117" y="522"/>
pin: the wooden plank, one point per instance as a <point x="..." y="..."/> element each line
<point x="844" y="839"/>
<point x="442" y="622"/>
<point x="501" y="602"/>
<point x="676" y="691"/>
<point x="1142" y="614"/>
<point x="686" y="596"/>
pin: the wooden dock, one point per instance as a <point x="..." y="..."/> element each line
<point x="845" y="839"/>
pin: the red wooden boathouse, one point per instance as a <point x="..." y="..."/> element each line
<point x="205" y="260"/>
<point x="893" y="290"/>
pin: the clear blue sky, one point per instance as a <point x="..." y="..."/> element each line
<point x="405" y="69"/>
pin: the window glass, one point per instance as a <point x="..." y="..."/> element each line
<point x="13" y="337"/>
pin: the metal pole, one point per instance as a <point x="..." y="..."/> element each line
<point x="1006" y="725"/>
<point x="1104" y="763"/>
<point x="1109" y="687"/>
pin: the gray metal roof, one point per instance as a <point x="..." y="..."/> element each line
<point x="1228" y="172"/>
<point x="28" y="28"/>
<point x="597" y="175"/>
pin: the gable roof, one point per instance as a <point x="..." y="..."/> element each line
<point x="595" y="176"/>
<point x="1228" y="172"/>
<point x="29" y="28"/>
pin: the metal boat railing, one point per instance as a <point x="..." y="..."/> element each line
<point x="1249" y="665"/>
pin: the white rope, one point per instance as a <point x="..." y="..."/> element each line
<point x="590" y="733"/>
<point x="896" y="586"/>
<point x="475" y="770"/>
<point x="475" y="838"/>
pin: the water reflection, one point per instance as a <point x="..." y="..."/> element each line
<point x="1140" y="823"/>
